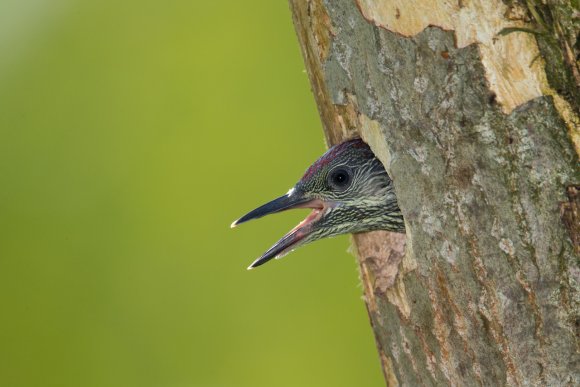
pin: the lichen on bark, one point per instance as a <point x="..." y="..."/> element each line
<point x="487" y="291"/>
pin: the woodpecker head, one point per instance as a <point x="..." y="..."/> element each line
<point x="348" y="190"/>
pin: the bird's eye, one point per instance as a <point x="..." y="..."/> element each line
<point x="339" y="178"/>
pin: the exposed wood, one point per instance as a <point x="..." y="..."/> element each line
<point x="508" y="60"/>
<point x="484" y="287"/>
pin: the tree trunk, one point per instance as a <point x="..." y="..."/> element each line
<point x="472" y="106"/>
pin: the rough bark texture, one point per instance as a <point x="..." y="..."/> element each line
<point x="486" y="290"/>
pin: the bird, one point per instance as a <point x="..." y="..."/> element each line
<point x="348" y="190"/>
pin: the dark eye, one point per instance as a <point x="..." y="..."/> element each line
<point x="339" y="178"/>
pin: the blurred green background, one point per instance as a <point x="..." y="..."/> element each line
<point x="132" y="134"/>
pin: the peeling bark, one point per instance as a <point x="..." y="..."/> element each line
<point x="484" y="287"/>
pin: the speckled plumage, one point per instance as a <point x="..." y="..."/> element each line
<point x="350" y="192"/>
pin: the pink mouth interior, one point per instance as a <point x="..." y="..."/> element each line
<point x="302" y="230"/>
<point x="317" y="210"/>
<point x="314" y="215"/>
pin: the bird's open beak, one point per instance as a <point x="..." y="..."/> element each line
<point x="293" y="199"/>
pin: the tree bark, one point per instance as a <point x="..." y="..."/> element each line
<point x="472" y="106"/>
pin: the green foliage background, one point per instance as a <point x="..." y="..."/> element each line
<point x="132" y="133"/>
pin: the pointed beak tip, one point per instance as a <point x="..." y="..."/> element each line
<point x="234" y="223"/>
<point x="258" y="262"/>
<point x="254" y="264"/>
